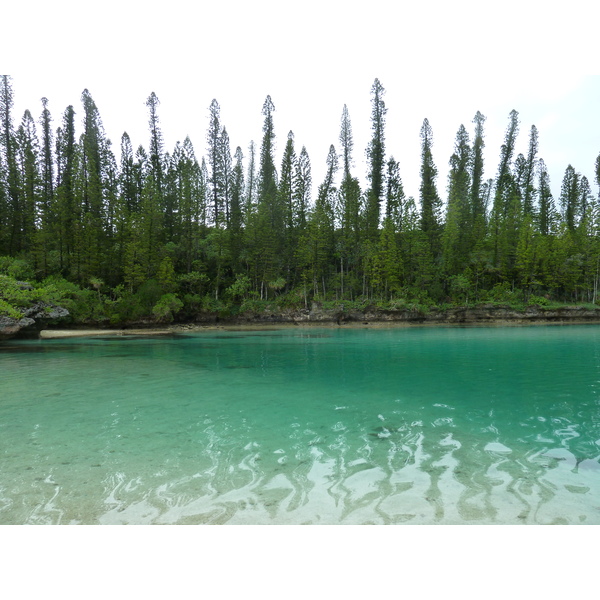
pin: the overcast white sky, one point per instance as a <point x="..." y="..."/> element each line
<point x="440" y="60"/>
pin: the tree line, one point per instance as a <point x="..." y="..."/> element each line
<point x="237" y="228"/>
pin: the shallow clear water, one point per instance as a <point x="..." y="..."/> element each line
<point x="304" y="425"/>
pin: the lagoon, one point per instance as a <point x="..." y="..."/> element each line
<point x="305" y="425"/>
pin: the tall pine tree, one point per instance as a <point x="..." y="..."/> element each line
<point x="376" y="157"/>
<point x="431" y="203"/>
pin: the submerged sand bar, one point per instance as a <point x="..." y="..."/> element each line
<point x="48" y="334"/>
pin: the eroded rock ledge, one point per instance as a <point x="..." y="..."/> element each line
<point x="35" y="318"/>
<point x="480" y="315"/>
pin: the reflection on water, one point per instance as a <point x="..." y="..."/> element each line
<point x="401" y="426"/>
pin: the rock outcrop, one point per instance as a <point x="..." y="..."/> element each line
<point x="35" y="318"/>
<point x="484" y="314"/>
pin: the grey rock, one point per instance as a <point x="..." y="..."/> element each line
<point x="36" y="318"/>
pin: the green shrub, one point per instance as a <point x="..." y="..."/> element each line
<point x="503" y="292"/>
<point x="16" y="267"/>
<point x="7" y="310"/>
<point x="13" y="293"/>
<point x="255" y="305"/>
<point x="293" y="299"/>
<point x="539" y="301"/>
<point x="211" y="304"/>
<point x="166" y="307"/>
<point x="148" y="294"/>
<point x="239" y="288"/>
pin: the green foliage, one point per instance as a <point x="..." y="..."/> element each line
<point x="16" y="296"/>
<point x="8" y="310"/>
<point x="129" y="243"/>
<point x="193" y="282"/>
<point x="13" y="293"/>
<point x="165" y="309"/>
<point x="17" y="268"/>
<point x="166" y="276"/>
<point x="293" y="299"/>
<point x="504" y="292"/>
<point x="149" y="294"/>
<point x="277" y="284"/>
<point x="239" y="288"/>
<point x="460" y="287"/>
<point x="540" y="301"/>
<point x="255" y="305"/>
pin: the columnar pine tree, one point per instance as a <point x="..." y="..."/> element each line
<point x="478" y="205"/>
<point x="114" y="211"/>
<point x="376" y="157"/>
<point x="128" y="182"/>
<point x="346" y="142"/>
<point x="286" y="181"/>
<point x="267" y="175"/>
<point x="585" y="203"/>
<point x="47" y="167"/>
<point x="215" y="163"/>
<point x="92" y="241"/>
<point x="187" y="192"/>
<point x="569" y="197"/>
<point x="527" y="181"/>
<point x="92" y="155"/>
<point x="349" y="207"/>
<point x="456" y="236"/>
<point x="12" y="209"/>
<point x="547" y="211"/>
<point x="251" y="187"/>
<point x="155" y="156"/>
<point x="505" y="180"/>
<point x="430" y="201"/>
<point x="503" y="225"/>
<point x="67" y="210"/>
<point x="318" y="242"/>
<point x="203" y="195"/>
<point x="395" y="197"/>
<point x="327" y="188"/>
<point x="286" y="200"/>
<point x="269" y="223"/>
<point x="28" y="157"/>
<point x="226" y="169"/>
<point x="302" y="190"/>
<point x="237" y="215"/>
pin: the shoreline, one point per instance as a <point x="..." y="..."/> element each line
<point x="317" y="316"/>
<point x="50" y="334"/>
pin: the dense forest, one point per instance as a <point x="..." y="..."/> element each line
<point x="171" y="234"/>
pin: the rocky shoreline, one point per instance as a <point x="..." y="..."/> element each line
<point x="484" y="315"/>
<point x="35" y="318"/>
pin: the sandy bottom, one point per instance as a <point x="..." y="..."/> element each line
<point x="49" y="334"/>
<point x="191" y="328"/>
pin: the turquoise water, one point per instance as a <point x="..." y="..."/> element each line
<point x="304" y="425"/>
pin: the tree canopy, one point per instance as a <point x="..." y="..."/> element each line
<point x="231" y="228"/>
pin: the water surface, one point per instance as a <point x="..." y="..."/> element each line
<point x="304" y="425"/>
